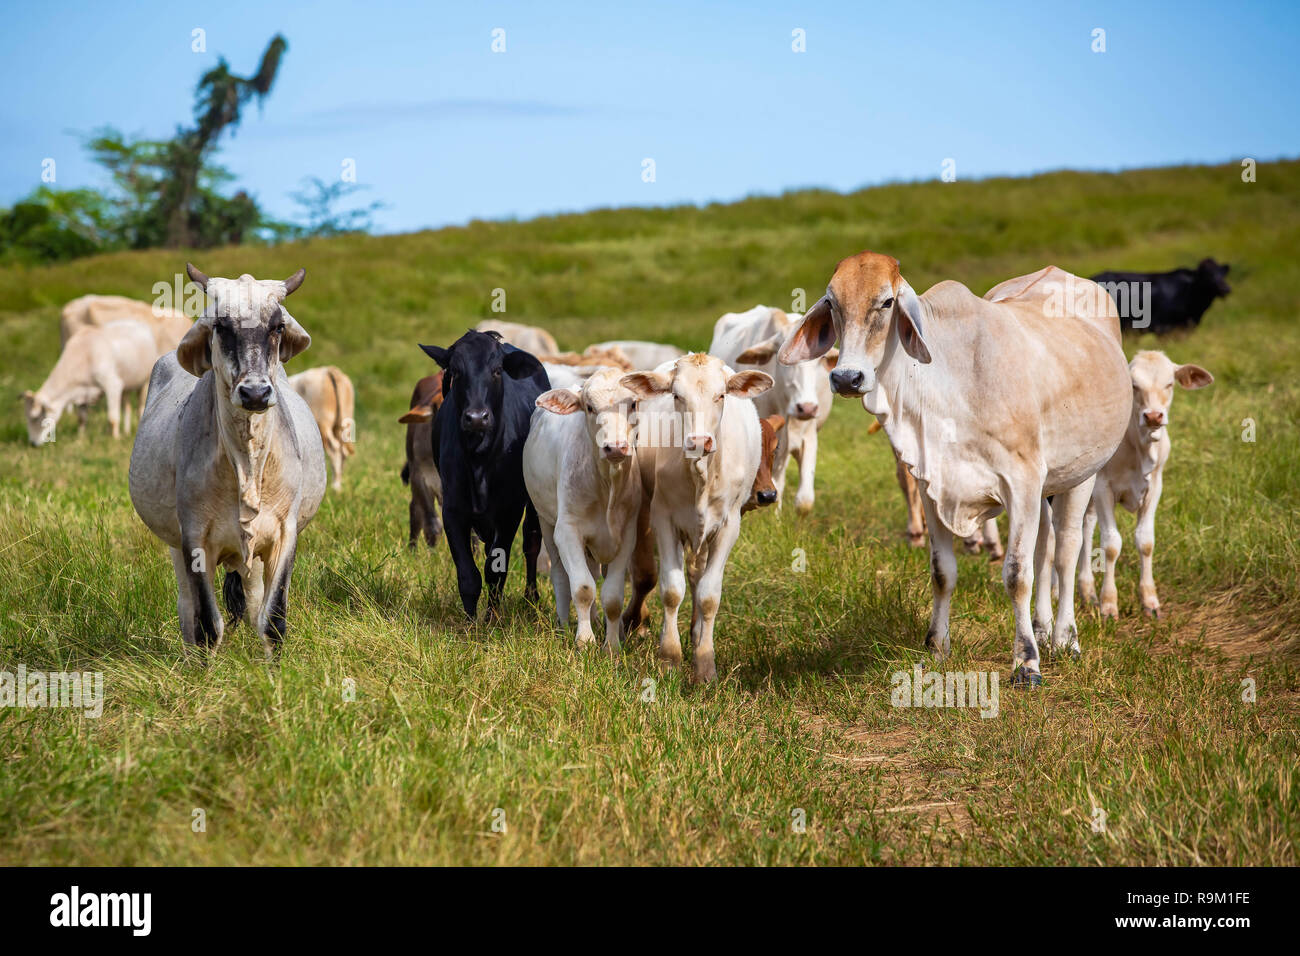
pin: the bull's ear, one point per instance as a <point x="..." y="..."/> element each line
<point x="441" y="356"/>
<point x="1192" y="376"/>
<point x="830" y="358"/>
<point x="562" y="401"/>
<point x="520" y="364"/>
<point x="907" y="313"/>
<point x="293" y="337"/>
<point x="748" y="384"/>
<point x="812" y="337"/>
<point x="194" y="352"/>
<point x="762" y="353"/>
<point x="777" y="422"/>
<point x="418" y="414"/>
<point x="646" y="384"/>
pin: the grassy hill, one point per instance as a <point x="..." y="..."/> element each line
<point x="455" y="726"/>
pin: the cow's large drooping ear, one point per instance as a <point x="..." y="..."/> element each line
<point x="907" y="313"/>
<point x="441" y="356"/>
<point x="646" y="384"/>
<point x="418" y="414"/>
<point x="830" y="358"/>
<point x="762" y="353"/>
<point x="193" y="353"/>
<point x="197" y="277"/>
<point x="1192" y="376"/>
<point x="293" y="337"/>
<point x="748" y="384"/>
<point x="561" y="401"/>
<point x="812" y="337"/>
<point x="291" y="284"/>
<point x="519" y="364"/>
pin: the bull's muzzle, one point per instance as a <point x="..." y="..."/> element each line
<point x="255" y="396"/>
<point x="850" y="381"/>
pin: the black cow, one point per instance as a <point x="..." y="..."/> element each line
<point x="478" y="441"/>
<point x="1161" y="302"/>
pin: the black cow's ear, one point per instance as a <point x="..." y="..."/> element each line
<point x="439" y="355"/>
<point x="521" y="364"/>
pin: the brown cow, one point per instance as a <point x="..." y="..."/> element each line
<point x="764" y="492"/>
<point x="419" y="471"/>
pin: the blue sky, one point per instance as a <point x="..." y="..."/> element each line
<point x="444" y="130"/>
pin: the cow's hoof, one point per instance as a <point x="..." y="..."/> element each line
<point x="803" y="508"/>
<point x="996" y="555"/>
<point x="1153" y="612"/>
<point x="704" y="672"/>
<point x="1109" y="611"/>
<point x="916" y="540"/>
<point x="1026" y="678"/>
<point x="971" y="546"/>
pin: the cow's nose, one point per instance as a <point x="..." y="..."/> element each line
<point x="703" y="444"/>
<point x="615" y="451"/>
<point x="1154" y="418"/>
<point x="255" y="396"/>
<point x="476" y="420"/>
<point x="847" y="381"/>
<point x="807" y="410"/>
<point x="767" y="497"/>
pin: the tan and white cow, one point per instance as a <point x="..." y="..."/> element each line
<point x="699" y="441"/>
<point x="1134" y="478"/>
<point x="228" y="466"/>
<point x="530" y="338"/>
<point x="108" y="362"/>
<point x="96" y="311"/>
<point x="581" y="470"/>
<point x="332" y="400"/>
<point x="801" y="393"/>
<point x="992" y="404"/>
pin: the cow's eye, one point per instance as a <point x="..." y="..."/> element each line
<point x="888" y="303"/>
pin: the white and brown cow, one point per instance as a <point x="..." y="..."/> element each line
<point x="228" y="467"/>
<point x="992" y="404"/>
<point x="1134" y="478"/>
<point x="332" y="400"/>
<point x="801" y="393"/>
<point x="582" y="474"/>
<point x="699" y="442"/>
<point x="108" y="362"/>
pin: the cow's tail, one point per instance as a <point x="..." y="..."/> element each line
<point x="344" y="408"/>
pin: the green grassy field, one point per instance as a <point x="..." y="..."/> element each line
<point x="454" y="726"/>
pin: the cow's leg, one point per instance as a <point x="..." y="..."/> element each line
<point x="611" y="588"/>
<point x="418" y="521"/>
<point x="83" y="413"/>
<point x="1024" y="511"/>
<point x="255" y="576"/>
<point x="532" y="544"/>
<point x="334" y="451"/>
<point x="208" y="626"/>
<point x="1145" y="538"/>
<point x="992" y="540"/>
<point x="276" y="575"/>
<point x="672" y="588"/>
<point x="644" y="572"/>
<point x="185" y="602"/>
<point x="496" y="566"/>
<point x="915" y="513"/>
<point x="1111" y="543"/>
<point x="126" y="413"/>
<point x="943" y="581"/>
<point x="706" y="596"/>
<point x="559" y="578"/>
<point x="807" y="458"/>
<point x="468" y="581"/>
<point x="582" y="584"/>
<point x="1087" y="589"/>
<point x="113" y="403"/>
<point x="1044" y="552"/>
<point x="1068" y="509"/>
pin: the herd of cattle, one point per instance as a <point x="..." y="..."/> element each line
<point x="635" y="459"/>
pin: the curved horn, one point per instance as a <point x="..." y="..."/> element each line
<point x="196" y="276"/>
<point x="295" y="280"/>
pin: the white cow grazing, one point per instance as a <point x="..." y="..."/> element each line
<point x="696" y="481"/>
<point x="228" y="467"/>
<point x="1134" y="477"/>
<point x="95" y="311"/>
<point x="641" y="354"/>
<point x="801" y="393"/>
<point x="582" y="474"/>
<point x="98" y="362"/>
<point x="992" y="404"/>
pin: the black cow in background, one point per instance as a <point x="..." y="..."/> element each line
<point x="489" y="393"/>
<point x="1172" y="300"/>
